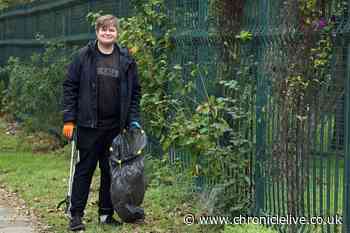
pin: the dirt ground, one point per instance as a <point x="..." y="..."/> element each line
<point x="15" y="216"/>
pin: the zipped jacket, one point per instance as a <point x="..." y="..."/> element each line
<point x="80" y="89"/>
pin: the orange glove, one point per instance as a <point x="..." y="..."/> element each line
<point x="68" y="129"/>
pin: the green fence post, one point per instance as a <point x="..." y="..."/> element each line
<point x="260" y="123"/>
<point x="346" y="193"/>
<point x="346" y="209"/>
<point x="260" y="148"/>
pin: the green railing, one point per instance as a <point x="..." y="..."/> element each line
<point x="303" y="172"/>
<point x="308" y="178"/>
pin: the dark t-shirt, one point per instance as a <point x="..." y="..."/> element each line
<point x="108" y="78"/>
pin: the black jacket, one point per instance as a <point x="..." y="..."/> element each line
<point x="80" y="91"/>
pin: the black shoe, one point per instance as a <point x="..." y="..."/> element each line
<point x="76" y="224"/>
<point x="108" y="220"/>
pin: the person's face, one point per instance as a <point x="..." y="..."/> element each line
<point x="107" y="35"/>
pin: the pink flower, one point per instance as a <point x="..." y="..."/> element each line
<point x="321" y="24"/>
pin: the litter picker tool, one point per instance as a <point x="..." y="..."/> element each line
<point x="73" y="161"/>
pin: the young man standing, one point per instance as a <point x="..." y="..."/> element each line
<point x="101" y="98"/>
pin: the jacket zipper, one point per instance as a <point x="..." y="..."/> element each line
<point x="97" y="96"/>
<point x="94" y="121"/>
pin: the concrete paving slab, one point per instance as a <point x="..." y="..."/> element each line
<point x="10" y="222"/>
<point x="16" y="229"/>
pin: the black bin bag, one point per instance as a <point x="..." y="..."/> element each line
<point x="127" y="174"/>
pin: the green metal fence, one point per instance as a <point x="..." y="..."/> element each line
<point x="303" y="172"/>
<point x="307" y="174"/>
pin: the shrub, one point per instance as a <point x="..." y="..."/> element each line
<point x="34" y="93"/>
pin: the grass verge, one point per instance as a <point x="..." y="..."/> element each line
<point x="41" y="180"/>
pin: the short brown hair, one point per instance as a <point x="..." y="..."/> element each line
<point x="106" y="20"/>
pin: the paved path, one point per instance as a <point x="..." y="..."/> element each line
<point x="10" y="222"/>
<point x="14" y="217"/>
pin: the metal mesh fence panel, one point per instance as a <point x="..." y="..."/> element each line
<point x="299" y="164"/>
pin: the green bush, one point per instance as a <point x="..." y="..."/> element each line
<point x="4" y="80"/>
<point x="208" y="128"/>
<point x="2" y="93"/>
<point x="34" y="92"/>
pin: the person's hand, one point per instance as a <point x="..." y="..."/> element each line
<point x="135" y="125"/>
<point x="68" y="130"/>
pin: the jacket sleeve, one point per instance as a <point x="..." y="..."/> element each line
<point x="134" y="109"/>
<point x="71" y="91"/>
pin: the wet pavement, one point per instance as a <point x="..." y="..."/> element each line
<point x="12" y="215"/>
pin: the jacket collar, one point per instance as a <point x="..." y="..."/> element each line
<point x="125" y="58"/>
<point x="122" y="51"/>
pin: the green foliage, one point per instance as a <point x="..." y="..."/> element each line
<point x="304" y="88"/>
<point x="247" y="228"/>
<point x="92" y="17"/>
<point x="244" y="36"/>
<point x="159" y="171"/>
<point x="34" y="93"/>
<point x="309" y="68"/>
<point x="203" y="128"/>
<point x="211" y="129"/>
<point x="42" y="182"/>
<point x="8" y="3"/>
<point x="151" y="53"/>
<point x="3" y="86"/>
